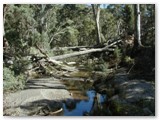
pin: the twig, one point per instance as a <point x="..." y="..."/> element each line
<point x="41" y="51"/>
<point x="130" y="68"/>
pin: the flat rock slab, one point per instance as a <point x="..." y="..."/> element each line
<point x="134" y="96"/>
<point x="134" y="90"/>
<point x="36" y="91"/>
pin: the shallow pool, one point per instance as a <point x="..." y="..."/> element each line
<point x="83" y="107"/>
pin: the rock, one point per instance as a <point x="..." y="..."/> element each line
<point x="136" y="90"/>
<point x="146" y="111"/>
<point x="54" y="106"/>
<point x="70" y="104"/>
<point x="150" y="104"/>
<point x="109" y="91"/>
<point x="42" y="93"/>
<point x="115" y="97"/>
<point x="86" y="114"/>
<point x="120" y="107"/>
<point x="134" y="96"/>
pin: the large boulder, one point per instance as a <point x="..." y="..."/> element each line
<point x="134" y="96"/>
<point x="121" y="107"/>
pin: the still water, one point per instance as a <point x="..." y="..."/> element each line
<point x="84" y="106"/>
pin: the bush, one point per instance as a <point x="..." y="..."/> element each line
<point x="128" y="61"/>
<point x="12" y="82"/>
<point x="117" y="54"/>
<point x="20" y="66"/>
<point x="101" y="66"/>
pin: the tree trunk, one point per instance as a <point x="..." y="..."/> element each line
<point x="4" y="14"/>
<point x="60" y="57"/>
<point x="42" y="20"/>
<point x="96" y="12"/>
<point x="138" y="26"/>
<point x="137" y="30"/>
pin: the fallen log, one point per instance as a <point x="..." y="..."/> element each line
<point x="71" y="48"/>
<point x="60" y="57"/>
<point x="45" y="60"/>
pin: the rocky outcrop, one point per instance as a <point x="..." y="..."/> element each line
<point x="127" y="96"/>
<point x="40" y="97"/>
<point x="133" y="96"/>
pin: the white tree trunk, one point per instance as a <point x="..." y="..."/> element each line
<point x="97" y="23"/>
<point x="96" y="12"/>
<point x="139" y="25"/>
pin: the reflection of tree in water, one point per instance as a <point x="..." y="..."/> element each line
<point x="96" y="102"/>
<point x="78" y="88"/>
<point x="99" y="106"/>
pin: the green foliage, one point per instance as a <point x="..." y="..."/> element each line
<point x="117" y="54"/>
<point x="20" y="65"/>
<point x="12" y="82"/>
<point x="108" y="25"/>
<point x="128" y="18"/>
<point x="128" y="60"/>
<point x="18" y="24"/>
<point x="148" y="24"/>
<point x="100" y="65"/>
<point x="119" y="108"/>
<point x="71" y="36"/>
<point x="90" y="66"/>
<point x="88" y="26"/>
<point x="51" y="26"/>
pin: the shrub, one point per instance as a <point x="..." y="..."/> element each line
<point x="128" y="60"/>
<point x="117" y="54"/>
<point x="101" y="66"/>
<point x="20" y="66"/>
<point x="12" y="82"/>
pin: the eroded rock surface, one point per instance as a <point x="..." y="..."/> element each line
<point x="39" y="96"/>
<point x="133" y="96"/>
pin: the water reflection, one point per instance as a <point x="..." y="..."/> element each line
<point x="85" y="100"/>
<point x="83" y="107"/>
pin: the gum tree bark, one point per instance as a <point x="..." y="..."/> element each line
<point x="138" y="25"/>
<point x="96" y="12"/>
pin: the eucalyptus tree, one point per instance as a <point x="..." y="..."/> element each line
<point x="148" y="24"/>
<point x="128" y="18"/>
<point x="138" y="24"/>
<point x="96" y="12"/>
<point x="77" y="24"/>
<point x="19" y="26"/>
<point x="109" y="25"/>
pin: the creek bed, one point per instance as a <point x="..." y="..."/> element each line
<point x="83" y="107"/>
<point x="84" y="97"/>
